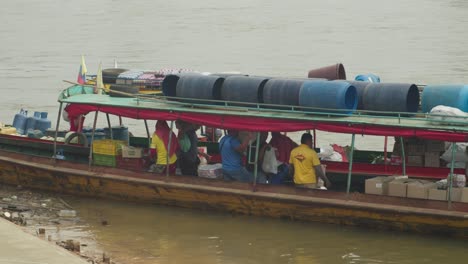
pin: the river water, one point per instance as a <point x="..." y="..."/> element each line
<point x="419" y="41"/>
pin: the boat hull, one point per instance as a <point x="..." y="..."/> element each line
<point x="236" y="198"/>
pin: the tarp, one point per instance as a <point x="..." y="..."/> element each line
<point x="262" y="123"/>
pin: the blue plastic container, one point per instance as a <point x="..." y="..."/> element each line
<point x="282" y="91"/>
<point x="118" y="133"/>
<point x="391" y="97"/>
<point x="243" y="89"/>
<point x="31" y="122"/>
<point x="453" y="95"/>
<point x="367" y="78"/>
<point x="42" y="122"/>
<point x="326" y="96"/>
<point x="19" y="121"/>
<point x="191" y="86"/>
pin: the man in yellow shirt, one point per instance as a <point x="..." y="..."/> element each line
<point x="305" y="165"/>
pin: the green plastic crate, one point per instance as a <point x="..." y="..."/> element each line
<point x="104" y="160"/>
<point x="141" y="142"/>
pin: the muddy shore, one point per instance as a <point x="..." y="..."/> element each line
<point x="51" y="218"/>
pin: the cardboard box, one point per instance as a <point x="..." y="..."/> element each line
<point x="464" y="195"/>
<point x="131" y="152"/>
<point x="416" y="148"/>
<point x="432" y="159"/>
<point x="419" y="189"/>
<point x="417" y="161"/>
<point x="378" y="185"/>
<point x="435" y="145"/>
<point x="398" y="187"/>
<point x="456" y="194"/>
<point x="436" y="194"/>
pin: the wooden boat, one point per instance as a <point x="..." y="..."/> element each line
<point x="33" y="163"/>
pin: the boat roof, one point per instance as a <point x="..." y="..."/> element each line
<point x="256" y="117"/>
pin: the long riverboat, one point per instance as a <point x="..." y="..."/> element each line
<point x="35" y="163"/>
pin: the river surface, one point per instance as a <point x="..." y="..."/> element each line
<point x="419" y="41"/>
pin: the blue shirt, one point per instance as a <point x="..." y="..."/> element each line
<point x="230" y="158"/>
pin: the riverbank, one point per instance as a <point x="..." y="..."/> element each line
<point x="44" y="219"/>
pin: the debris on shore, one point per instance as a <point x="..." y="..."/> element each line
<point x="49" y="217"/>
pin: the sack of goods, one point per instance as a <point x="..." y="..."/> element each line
<point x="270" y="164"/>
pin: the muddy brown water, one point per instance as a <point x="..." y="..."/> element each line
<point x="420" y="41"/>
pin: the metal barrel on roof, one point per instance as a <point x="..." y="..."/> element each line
<point x="243" y="89"/>
<point x="332" y="72"/>
<point x="391" y="97"/>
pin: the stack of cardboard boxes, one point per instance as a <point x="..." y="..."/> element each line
<point x="402" y="186"/>
<point x="419" y="152"/>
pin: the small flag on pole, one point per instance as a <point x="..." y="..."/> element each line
<point x="99" y="82"/>
<point x="82" y="72"/>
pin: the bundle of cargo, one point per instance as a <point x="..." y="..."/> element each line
<point x="402" y="186"/>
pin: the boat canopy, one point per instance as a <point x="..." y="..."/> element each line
<point x="258" y="120"/>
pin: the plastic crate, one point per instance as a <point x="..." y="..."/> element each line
<point x="140" y="164"/>
<point x="105" y="160"/>
<point x="108" y="147"/>
<point x="141" y="142"/>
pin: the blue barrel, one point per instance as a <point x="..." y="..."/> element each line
<point x="199" y="87"/>
<point x="326" y="96"/>
<point x="360" y="88"/>
<point x="453" y="95"/>
<point x="118" y="133"/>
<point x="31" y="122"/>
<point x="169" y="83"/>
<point x="42" y="122"/>
<point x="243" y="89"/>
<point x="391" y="97"/>
<point x="367" y="78"/>
<point x="19" y="121"/>
<point x="282" y="91"/>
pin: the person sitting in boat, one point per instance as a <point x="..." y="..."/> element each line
<point x="188" y="141"/>
<point x="305" y="165"/>
<point x="283" y="145"/>
<point x="158" y="148"/>
<point x="232" y="149"/>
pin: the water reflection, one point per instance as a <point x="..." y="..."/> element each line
<point x="155" y="234"/>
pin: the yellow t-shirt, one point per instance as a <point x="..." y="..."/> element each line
<point x="161" y="152"/>
<point x="303" y="158"/>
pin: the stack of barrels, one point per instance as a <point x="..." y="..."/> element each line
<point x="325" y="90"/>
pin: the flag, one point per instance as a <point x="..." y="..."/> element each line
<point x="99" y="82"/>
<point x="115" y="63"/>
<point x="82" y="72"/>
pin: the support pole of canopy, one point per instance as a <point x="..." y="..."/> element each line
<point x="385" y="152"/>
<point x="120" y="120"/>
<point x="169" y="149"/>
<point x="403" y="157"/>
<point x="147" y="133"/>
<point x="315" y="138"/>
<point x="109" y="125"/>
<point x="257" y="146"/>
<point x="90" y="157"/>
<point x="56" y="129"/>
<point x="350" y="169"/>
<point x="452" y="165"/>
